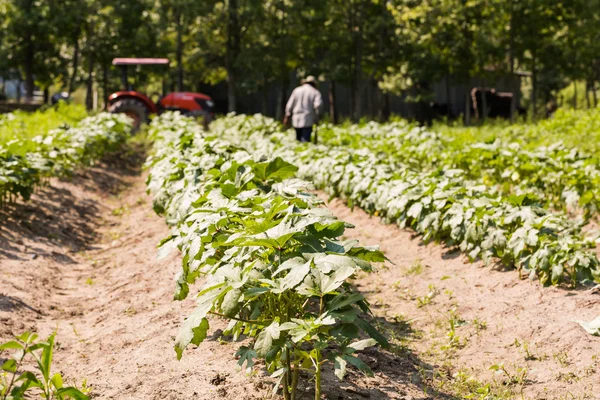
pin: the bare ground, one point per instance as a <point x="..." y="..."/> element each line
<point x="80" y="258"/>
<point x="497" y="318"/>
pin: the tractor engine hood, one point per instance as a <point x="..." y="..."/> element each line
<point x="187" y="101"/>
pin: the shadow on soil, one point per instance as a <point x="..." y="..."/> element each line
<point x="56" y="216"/>
<point x="394" y="369"/>
<point x="11" y="303"/>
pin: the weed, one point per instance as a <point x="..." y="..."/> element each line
<point x="562" y="358"/>
<point x="519" y="377"/>
<point x="454" y="341"/>
<point x="416" y="268"/>
<point x="117" y="212"/>
<point x="129" y="311"/>
<point x="425" y="300"/>
<point x="568" y="377"/>
<point x="480" y="325"/>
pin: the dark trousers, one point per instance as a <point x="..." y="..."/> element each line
<point x="303" y="134"/>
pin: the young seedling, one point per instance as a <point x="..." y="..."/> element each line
<point x="15" y="384"/>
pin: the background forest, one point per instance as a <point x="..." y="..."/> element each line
<point x="250" y="47"/>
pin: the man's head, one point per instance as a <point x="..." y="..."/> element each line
<point x="310" y="80"/>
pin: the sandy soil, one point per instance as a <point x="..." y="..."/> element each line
<point x="80" y="258"/>
<point x="498" y="318"/>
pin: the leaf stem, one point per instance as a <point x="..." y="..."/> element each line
<point x="254" y="322"/>
<point x="12" y="380"/>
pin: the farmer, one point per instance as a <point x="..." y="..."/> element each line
<point x="304" y="106"/>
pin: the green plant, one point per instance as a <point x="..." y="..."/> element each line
<point x="454" y="340"/>
<point x="416" y="268"/>
<point x="56" y="153"/>
<point x="442" y="202"/>
<point x="479" y="324"/>
<point x="562" y="357"/>
<point x="425" y="300"/>
<point x="15" y="384"/>
<point x="270" y="254"/>
<point x="519" y="377"/>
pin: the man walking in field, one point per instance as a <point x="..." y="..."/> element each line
<point x="304" y="107"/>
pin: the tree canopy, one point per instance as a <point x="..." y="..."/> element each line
<point x="400" y="46"/>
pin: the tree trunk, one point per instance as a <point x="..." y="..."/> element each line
<point x="89" y="95"/>
<point x="179" y="51"/>
<point x="511" y="58"/>
<point x="264" y="104"/>
<point x="575" y="95"/>
<point x="332" y="108"/>
<point x="19" y="84"/>
<point x="386" y="107"/>
<point x="281" y="100"/>
<point x="587" y="95"/>
<point x="448" y="102"/>
<point x="484" y="109"/>
<point x="283" y="71"/>
<point x="594" y="94"/>
<point x="46" y="95"/>
<point x="71" y="87"/>
<point x="534" y="89"/>
<point x="232" y="53"/>
<point x="29" y="57"/>
<point x="468" y="108"/>
<point x="356" y="32"/>
<point x="356" y="82"/>
<point x="105" y="85"/>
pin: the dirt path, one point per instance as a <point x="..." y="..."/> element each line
<point x="80" y="258"/>
<point x="496" y="318"/>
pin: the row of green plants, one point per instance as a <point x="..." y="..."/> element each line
<point x="442" y="204"/>
<point x="575" y="128"/>
<point x="269" y="255"/>
<point x="557" y="176"/>
<point x="23" y="125"/>
<point x="57" y="153"/>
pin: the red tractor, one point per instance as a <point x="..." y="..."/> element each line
<point x="139" y="106"/>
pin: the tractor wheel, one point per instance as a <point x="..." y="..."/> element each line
<point x="134" y="109"/>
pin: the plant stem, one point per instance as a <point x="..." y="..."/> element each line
<point x="295" y="381"/>
<point x="321" y="306"/>
<point x="286" y="375"/>
<point x="254" y="322"/>
<point x="12" y="380"/>
<point x="317" y="377"/>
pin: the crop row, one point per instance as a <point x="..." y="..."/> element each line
<point x="57" y="153"/>
<point x="442" y="204"/>
<point x="559" y="177"/>
<point x="269" y="255"/>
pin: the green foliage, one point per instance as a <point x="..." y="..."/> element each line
<point x="17" y="384"/>
<point x="439" y="201"/>
<point x="57" y="152"/>
<point x="402" y="46"/>
<point x="270" y="255"/>
<point x="23" y="126"/>
<point x="555" y="175"/>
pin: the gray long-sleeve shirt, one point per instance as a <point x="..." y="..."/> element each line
<point x="304" y="106"/>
